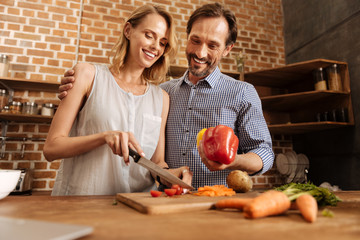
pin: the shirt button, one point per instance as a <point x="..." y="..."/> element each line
<point x="183" y="154"/>
<point x="190" y="108"/>
<point x="187" y="130"/>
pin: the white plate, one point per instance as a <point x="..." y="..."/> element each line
<point x="282" y="164"/>
<point x="291" y="155"/>
<point x="304" y="164"/>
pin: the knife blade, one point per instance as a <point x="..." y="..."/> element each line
<point x="154" y="168"/>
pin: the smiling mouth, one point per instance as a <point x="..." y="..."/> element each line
<point x="199" y="61"/>
<point x="152" y="55"/>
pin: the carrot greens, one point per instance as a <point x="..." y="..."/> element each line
<point x="322" y="195"/>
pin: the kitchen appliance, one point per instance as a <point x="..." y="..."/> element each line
<point x="24" y="185"/>
<point x="152" y="167"/>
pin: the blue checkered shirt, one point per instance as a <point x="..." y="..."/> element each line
<point x="217" y="99"/>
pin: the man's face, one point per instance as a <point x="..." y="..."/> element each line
<point x="206" y="46"/>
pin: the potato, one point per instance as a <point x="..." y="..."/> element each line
<point x="239" y="181"/>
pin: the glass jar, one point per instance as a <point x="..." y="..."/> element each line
<point x="6" y="109"/>
<point x="4" y="65"/>
<point x="334" y="78"/>
<point x="320" y="82"/>
<point x="4" y="98"/>
<point x="47" y="109"/>
<point x="30" y="108"/>
<point x="15" y="107"/>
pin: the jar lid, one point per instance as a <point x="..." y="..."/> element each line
<point x="4" y="56"/>
<point x="14" y="103"/>
<point x="32" y="104"/>
<point x="48" y="105"/>
<point x="2" y="91"/>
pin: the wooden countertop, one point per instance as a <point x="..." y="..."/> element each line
<point x="121" y="222"/>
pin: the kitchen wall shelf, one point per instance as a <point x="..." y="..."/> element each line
<point x="30" y="84"/>
<point x="300" y="128"/>
<point x="20" y="84"/>
<point x="25" y="118"/>
<point x="290" y="103"/>
<point x="298" y="100"/>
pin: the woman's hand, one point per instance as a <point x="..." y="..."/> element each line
<point x="119" y="142"/>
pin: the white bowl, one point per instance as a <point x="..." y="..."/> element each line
<point x="8" y="181"/>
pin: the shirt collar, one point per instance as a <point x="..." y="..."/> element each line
<point x="211" y="79"/>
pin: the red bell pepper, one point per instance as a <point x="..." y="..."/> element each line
<point x="220" y="144"/>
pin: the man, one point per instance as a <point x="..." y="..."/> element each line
<point x="204" y="97"/>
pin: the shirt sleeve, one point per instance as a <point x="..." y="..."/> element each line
<point x="252" y="130"/>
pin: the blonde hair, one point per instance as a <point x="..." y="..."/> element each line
<point x="155" y="74"/>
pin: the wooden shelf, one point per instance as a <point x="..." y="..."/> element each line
<point x="32" y="85"/>
<point x="290" y="102"/>
<point x="25" y="118"/>
<point x="177" y="71"/>
<point x="282" y="77"/>
<point x="300" y="128"/>
<point x="293" y="101"/>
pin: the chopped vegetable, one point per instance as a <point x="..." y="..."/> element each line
<point x="322" y="195"/>
<point x="269" y="203"/>
<point x="216" y="190"/>
<point x="234" y="203"/>
<point x="327" y="213"/>
<point x="308" y="207"/>
<point x="155" y="193"/>
<point x="170" y="192"/>
<point x="220" y="144"/>
<point x="179" y="190"/>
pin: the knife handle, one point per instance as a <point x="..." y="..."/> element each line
<point x="134" y="155"/>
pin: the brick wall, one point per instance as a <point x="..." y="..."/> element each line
<point x="41" y="38"/>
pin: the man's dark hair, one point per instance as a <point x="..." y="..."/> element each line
<point x="215" y="10"/>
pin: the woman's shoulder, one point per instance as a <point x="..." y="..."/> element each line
<point x="85" y="67"/>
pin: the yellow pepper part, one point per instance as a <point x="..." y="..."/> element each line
<point x="199" y="136"/>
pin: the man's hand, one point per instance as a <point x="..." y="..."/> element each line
<point x="211" y="165"/>
<point x="182" y="172"/>
<point x="66" y="83"/>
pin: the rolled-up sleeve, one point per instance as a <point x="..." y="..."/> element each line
<point x="252" y="130"/>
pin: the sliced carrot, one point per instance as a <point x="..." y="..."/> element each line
<point x="269" y="203"/>
<point x="234" y="203"/>
<point x="308" y="207"/>
<point x="213" y="191"/>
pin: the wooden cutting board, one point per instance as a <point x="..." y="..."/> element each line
<point x="145" y="203"/>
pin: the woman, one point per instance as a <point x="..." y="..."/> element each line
<point x="112" y="108"/>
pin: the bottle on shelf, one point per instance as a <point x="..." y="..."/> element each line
<point x="319" y="79"/>
<point x="334" y="78"/>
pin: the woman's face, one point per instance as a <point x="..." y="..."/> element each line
<point x="147" y="40"/>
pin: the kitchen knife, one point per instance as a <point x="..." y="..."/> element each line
<point x="154" y="168"/>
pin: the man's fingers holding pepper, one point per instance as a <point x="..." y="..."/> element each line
<point x="217" y="146"/>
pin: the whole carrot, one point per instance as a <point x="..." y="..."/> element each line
<point x="234" y="203"/>
<point x="269" y="203"/>
<point x="308" y="207"/>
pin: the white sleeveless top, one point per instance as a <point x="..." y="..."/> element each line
<point x="100" y="172"/>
